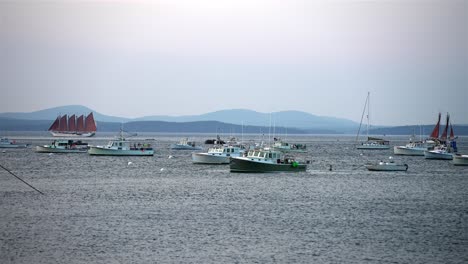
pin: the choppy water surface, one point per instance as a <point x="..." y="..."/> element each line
<point x="161" y="209"/>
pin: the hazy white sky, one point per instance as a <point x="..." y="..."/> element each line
<point x="180" y="57"/>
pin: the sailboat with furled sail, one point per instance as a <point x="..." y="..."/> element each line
<point x="372" y="142"/>
<point x="65" y="126"/>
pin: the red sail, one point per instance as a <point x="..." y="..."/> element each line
<point x="71" y="123"/>
<point x="63" y="124"/>
<point x="90" y="125"/>
<point x="80" y="124"/>
<point x="55" y="125"/>
<point x="452" y="135"/>
<point x="435" y="132"/>
<point x="444" y="134"/>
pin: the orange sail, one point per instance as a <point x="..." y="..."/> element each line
<point x="80" y="124"/>
<point x="90" y="124"/>
<point x="435" y="132"/>
<point x="71" y="124"/>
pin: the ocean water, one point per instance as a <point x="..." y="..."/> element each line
<point x="168" y="210"/>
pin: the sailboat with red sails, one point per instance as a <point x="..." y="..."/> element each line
<point x="70" y="126"/>
<point x="446" y="143"/>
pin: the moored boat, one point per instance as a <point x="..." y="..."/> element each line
<point x="65" y="126"/>
<point x="265" y="160"/>
<point x="64" y="146"/>
<point x="288" y="147"/>
<point x="372" y="143"/>
<point x="218" y="155"/>
<point x="460" y="160"/>
<point x="185" y="144"/>
<point x="387" y="166"/>
<point x="7" y="143"/>
<point x="122" y="147"/>
<point x="440" y="152"/>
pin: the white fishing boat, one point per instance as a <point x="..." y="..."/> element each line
<point x="265" y="160"/>
<point x="185" y="144"/>
<point x="7" y="143"/>
<point x="63" y="146"/>
<point x="372" y="143"/>
<point x="65" y="126"/>
<point x="218" y="155"/>
<point x="460" y="160"/>
<point x="387" y="166"/>
<point x="288" y="147"/>
<point x="122" y="147"/>
<point x="440" y="152"/>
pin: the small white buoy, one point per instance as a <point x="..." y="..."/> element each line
<point x="361" y="154"/>
<point x="162" y="169"/>
<point x="390" y="157"/>
<point x="170" y="157"/>
<point x="129" y="163"/>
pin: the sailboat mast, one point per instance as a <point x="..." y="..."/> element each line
<point x="368" y="117"/>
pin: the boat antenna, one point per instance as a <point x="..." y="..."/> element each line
<point x="362" y="116"/>
<point x="22" y="180"/>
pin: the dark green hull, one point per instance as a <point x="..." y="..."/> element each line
<point x="242" y="165"/>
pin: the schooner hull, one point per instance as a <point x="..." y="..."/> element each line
<point x="72" y="134"/>
<point x="97" y="151"/>
<point x="247" y="165"/>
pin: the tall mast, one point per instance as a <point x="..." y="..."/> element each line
<point x="368" y="117"/>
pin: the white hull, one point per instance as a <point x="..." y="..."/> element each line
<point x="184" y="147"/>
<point x="62" y="134"/>
<point x="374" y="147"/>
<point x="408" y="151"/>
<point x="206" y="158"/>
<point x="433" y="154"/>
<point x="101" y="151"/>
<point x="460" y="160"/>
<point x="13" y="146"/>
<point x="53" y="149"/>
<point x="387" y="167"/>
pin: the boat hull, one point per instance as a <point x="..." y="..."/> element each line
<point x="63" y="134"/>
<point x="184" y="147"/>
<point x="403" y="150"/>
<point x="13" y="146"/>
<point x="385" y="167"/>
<point x="247" y="165"/>
<point x="207" y="158"/>
<point x="99" y="151"/>
<point x="52" y="149"/>
<point x="460" y="160"/>
<point x="373" y="147"/>
<point x="438" y="155"/>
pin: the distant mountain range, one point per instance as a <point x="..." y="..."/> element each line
<point x="225" y="121"/>
<point x="291" y="119"/>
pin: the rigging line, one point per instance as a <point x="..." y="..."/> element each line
<point x="21" y="179"/>
<point x="362" y="117"/>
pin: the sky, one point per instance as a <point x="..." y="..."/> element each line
<point x="185" y="57"/>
